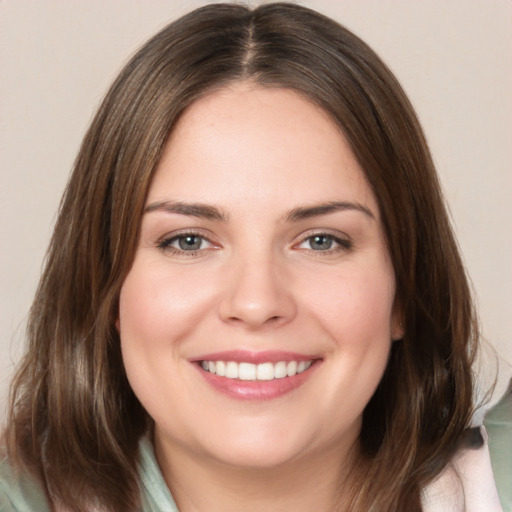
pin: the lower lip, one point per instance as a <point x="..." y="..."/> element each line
<point x="257" y="390"/>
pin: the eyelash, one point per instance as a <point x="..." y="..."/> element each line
<point x="165" y="244"/>
<point x="341" y="244"/>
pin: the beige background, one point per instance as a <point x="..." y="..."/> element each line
<point x="453" y="57"/>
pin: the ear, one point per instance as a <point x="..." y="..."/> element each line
<point x="397" y="323"/>
<point x="397" y="331"/>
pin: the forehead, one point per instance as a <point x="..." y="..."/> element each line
<point x="246" y="142"/>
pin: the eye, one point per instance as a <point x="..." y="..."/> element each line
<point x="320" y="242"/>
<point x="324" y="243"/>
<point x="185" y="243"/>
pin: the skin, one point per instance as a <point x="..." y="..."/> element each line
<point x="258" y="283"/>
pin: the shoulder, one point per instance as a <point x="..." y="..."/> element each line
<point x="467" y="484"/>
<point x="20" y="492"/>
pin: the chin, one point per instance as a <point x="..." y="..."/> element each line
<point x="266" y="445"/>
<point x="257" y="456"/>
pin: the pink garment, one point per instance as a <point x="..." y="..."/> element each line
<point x="466" y="485"/>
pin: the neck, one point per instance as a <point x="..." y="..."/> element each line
<point x="312" y="483"/>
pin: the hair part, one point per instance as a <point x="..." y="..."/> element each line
<point x="70" y="399"/>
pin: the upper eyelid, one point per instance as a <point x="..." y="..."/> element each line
<point x="327" y="232"/>
<point x="186" y="231"/>
<point x="166" y="240"/>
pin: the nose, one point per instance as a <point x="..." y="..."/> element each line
<point x="257" y="294"/>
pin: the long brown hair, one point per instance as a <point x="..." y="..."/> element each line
<point x="74" y="420"/>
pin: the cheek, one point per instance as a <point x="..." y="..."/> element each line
<point x="157" y="307"/>
<point x="354" y="304"/>
<point x="157" y="311"/>
<point x="355" y="309"/>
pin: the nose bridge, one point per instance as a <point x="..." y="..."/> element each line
<point x="257" y="293"/>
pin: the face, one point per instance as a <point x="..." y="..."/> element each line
<point x="257" y="318"/>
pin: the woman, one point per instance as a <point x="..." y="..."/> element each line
<point x="253" y="298"/>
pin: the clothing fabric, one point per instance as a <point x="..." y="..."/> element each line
<point x="467" y="485"/>
<point x="498" y="423"/>
<point x="156" y="496"/>
<point x="20" y="492"/>
<point x="23" y="493"/>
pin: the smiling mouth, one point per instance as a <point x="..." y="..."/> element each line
<point x="256" y="372"/>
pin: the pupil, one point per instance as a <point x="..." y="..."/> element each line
<point x="189" y="242"/>
<point x="321" y="242"/>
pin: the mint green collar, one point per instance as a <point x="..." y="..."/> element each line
<point x="155" y="493"/>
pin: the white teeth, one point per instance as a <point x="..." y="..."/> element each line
<point x="280" y="370"/>
<point x="231" y="370"/>
<point x="221" y="368"/>
<point x="249" y="371"/>
<point x="291" y="368"/>
<point x="265" y="371"/>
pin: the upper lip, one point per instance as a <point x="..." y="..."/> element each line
<point x="244" y="356"/>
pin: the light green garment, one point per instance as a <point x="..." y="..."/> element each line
<point x="499" y="426"/>
<point x="155" y="493"/>
<point x="22" y="493"/>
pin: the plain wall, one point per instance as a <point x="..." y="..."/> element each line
<point x="453" y="57"/>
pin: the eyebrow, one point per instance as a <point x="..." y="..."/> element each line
<point x="210" y="212"/>
<point x="204" y="211"/>
<point x="308" y="212"/>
